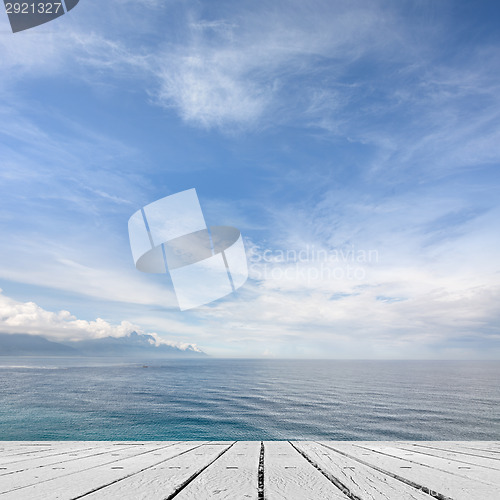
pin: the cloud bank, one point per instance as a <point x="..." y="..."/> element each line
<point x="30" y="318"/>
<point x="332" y="124"/>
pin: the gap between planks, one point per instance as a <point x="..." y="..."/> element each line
<point x="272" y="470"/>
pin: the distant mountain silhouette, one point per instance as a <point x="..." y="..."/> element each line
<point x="134" y="345"/>
<point x="21" y="344"/>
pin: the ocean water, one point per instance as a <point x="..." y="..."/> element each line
<point x="222" y="399"/>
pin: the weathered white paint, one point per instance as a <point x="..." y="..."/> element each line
<point x="445" y="483"/>
<point x="361" y="480"/>
<point x="23" y="477"/>
<point x="24" y="462"/>
<point x="462" y="449"/>
<point x="227" y="470"/>
<point x="233" y="476"/>
<point x="78" y="480"/>
<point x="162" y="479"/>
<point x="464" y="458"/>
<point x="288" y="475"/>
<point x="457" y="467"/>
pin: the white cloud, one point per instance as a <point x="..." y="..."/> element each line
<point x="64" y="195"/>
<point x="268" y="64"/>
<point x="430" y="289"/>
<point x="30" y="318"/>
<point x="49" y="50"/>
<point x="240" y="70"/>
<point x="370" y="322"/>
<point x="288" y="61"/>
<point x="279" y="62"/>
<point x="179" y="345"/>
<point x="210" y="92"/>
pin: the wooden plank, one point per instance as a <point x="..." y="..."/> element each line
<point x="488" y="476"/>
<point x="288" y="475"/>
<point x="160" y="470"/>
<point x="32" y="475"/>
<point x="60" y="456"/>
<point x="80" y="480"/>
<point x="493" y="446"/>
<point x="357" y="479"/>
<point x="24" y="452"/>
<point x="9" y="448"/>
<point x="63" y="461"/>
<point x="162" y="480"/>
<point x="67" y="448"/>
<point x="461" y="448"/>
<point x="446" y="484"/>
<point x="233" y="476"/>
<point x="460" y="457"/>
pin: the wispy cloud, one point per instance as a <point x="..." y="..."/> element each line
<point x="243" y="70"/>
<point x="369" y="127"/>
<point x="410" y="275"/>
<point x="65" y="189"/>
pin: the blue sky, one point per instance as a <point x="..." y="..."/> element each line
<point x="328" y="127"/>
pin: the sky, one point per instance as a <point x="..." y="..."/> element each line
<point x="355" y="145"/>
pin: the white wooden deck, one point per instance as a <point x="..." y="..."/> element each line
<point x="189" y="470"/>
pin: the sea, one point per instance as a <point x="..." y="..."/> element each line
<point x="248" y="399"/>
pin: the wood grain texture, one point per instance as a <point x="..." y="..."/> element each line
<point x="31" y="474"/>
<point x="358" y="479"/>
<point x="461" y="449"/>
<point x="480" y="474"/>
<point x="288" y="475"/>
<point x="302" y="470"/>
<point x="463" y="458"/>
<point x="37" y="451"/>
<point x="232" y="476"/>
<point x="55" y="459"/>
<point x="80" y="479"/>
<point x="164" y="479"/>
<point x="437" y="482"/>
